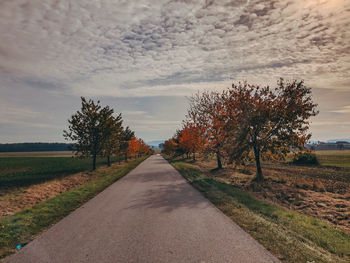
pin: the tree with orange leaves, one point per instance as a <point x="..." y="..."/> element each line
<point x="207" y="110"/>
<point x="191" y="139"/>
<point x="170" y="147"/>
<point x="144" y="148"/>
<point x="267" y="120"/>
<point x="248" y="119"/>
<point x="126" y="136"/>
<point x="137" y="147"/>
<point x="133" y="147"/>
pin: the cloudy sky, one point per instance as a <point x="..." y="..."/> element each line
<point x="144" y="57"/>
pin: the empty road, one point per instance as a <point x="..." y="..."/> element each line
<point x="150" y="215"/>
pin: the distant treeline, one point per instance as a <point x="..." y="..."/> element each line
<point x="34" y="147"/>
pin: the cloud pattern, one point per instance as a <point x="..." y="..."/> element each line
<point x="152" y="48"/>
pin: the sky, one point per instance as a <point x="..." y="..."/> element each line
<point x="145" y="57"/>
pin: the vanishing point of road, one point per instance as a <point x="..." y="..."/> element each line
<point x="150" y="215"/>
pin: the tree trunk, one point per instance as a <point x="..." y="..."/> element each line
<point x="194" y="156"/>
<point x="109" y="160"/>
<point x="259" y="175"/>
<point x="119" y="159"/>
<point x="94" y="162"/>
<point x="219" y="161"/>
<point x="126" y="157"/>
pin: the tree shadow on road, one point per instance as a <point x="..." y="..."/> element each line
<point x="169" y="197"/>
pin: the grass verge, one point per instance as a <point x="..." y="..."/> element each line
<point x="290" y="236"/>
<point x="23" y="226"/>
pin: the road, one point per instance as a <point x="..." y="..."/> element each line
<point x="150" y="215"/>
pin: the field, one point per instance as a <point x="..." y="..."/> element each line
<point x="32" y="178"/>
<point x="37" y="154"/>
<point x="20" y="171"/>
<point x="306" y="208"/>
<point x="334" y="158"/>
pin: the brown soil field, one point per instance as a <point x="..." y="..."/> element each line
<point x="322" y="192"/>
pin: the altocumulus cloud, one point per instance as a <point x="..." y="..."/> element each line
<point x="153" y="48"/>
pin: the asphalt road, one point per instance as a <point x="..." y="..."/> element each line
<point x="150" y="215"/>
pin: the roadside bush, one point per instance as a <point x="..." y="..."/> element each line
<point x="305" y="158"/>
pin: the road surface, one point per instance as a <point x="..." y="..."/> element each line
<point x="150" y="215"/>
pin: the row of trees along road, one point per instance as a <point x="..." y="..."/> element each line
<point x="97" y="131"/>
<point x="246" y="121"/>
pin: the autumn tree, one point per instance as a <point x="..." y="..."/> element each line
<point x="137" y="147"/>
<point x="191" y="139"/>
<point x="179" y="149"/>
<point x="170" y="147"/>
<point x="267" y="120"/>
<point x="86" y="129"/>
<point x="207" y="111"/>
<point x="144" y="148"/>
<point x="126" y="136"/>
<point x="133" y="147"/>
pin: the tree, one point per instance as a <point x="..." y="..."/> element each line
<point x="137" y="147"/>
<point x="86" y="129"/>
<point x="267" y="120"/>
<point x="191" y="139"/>
<point x="134" y="146"/>
<point x="113" y="132"/>
<point x="126" y="136"/>
<point x="144" y="148"/>
<point x="206" y="110"/>
<point x="170" y="147"/>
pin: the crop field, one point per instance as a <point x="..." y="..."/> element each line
<point x="37" y="154"/>
<point x="334" y="158"/>
<point x="20" y="171"/>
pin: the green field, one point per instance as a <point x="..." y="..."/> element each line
<point x="334" y="158"/>
<point x="38" y="154"/>
<point x="19" y="171"/>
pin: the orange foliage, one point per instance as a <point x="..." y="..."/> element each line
<point x="191" y="139"/>
<point x="247" y="118"/>
<point x="170" y="146"/>
<point x="137" y="147"/>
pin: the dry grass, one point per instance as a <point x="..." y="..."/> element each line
<point x="291" y="236"/>
<point x="321" y="192"/>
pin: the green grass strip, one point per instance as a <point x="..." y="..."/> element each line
<point x="291" y="236"/>
<point x="23" y="226"/>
